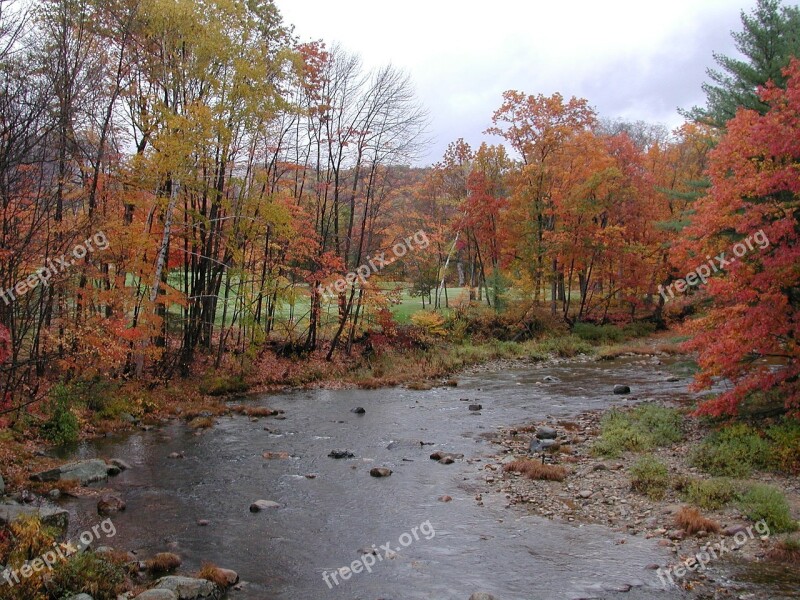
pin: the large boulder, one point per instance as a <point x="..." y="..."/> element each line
<point x="188" y="588"/>
<point x="85" y="471"/>
<point x="49" y="515"/>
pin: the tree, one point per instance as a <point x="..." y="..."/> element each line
<point x="770" y="37"/>
<point x="750" y="335"/>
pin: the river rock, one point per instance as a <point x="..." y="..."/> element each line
<point x="120" y="464"/>
<point x="156" y="594"/>
<point x="341" y="454"/>
<point x="231" y="577"/>
<point x="546" y="433"/>
<point x="188" y="588"/>
<point x="622" y="389"/>
<point x="447" y="460"/>
<point x="475" y="407"/>
<point x="359" y="410"/>
<point x="543" y="445"/>
<point x="260" y="505"/>
<point x="85" y="471"/>
<point x="110" y="504"/>
<point x="380" y="472"/>
<point x="49" y="515"/>
<point x="551" y="379"/>
<point x="482" y="596"/>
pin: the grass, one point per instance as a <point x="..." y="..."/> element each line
<point x="534" y="469"/>
<point x="766" y="502"/>
<point x="211" y="572"/>
<point x="163" y="562"/>
<point x="611" y="334"/>
<point x="710" y="494"/>
<point x="734" y="451"/>
<point x="691" y="521"/>
<point x="786" y="550"/>
<point x="645" y="427"/>
<point x="650" y="476"/>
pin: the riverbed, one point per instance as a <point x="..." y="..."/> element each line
<point x="331" y="511"/>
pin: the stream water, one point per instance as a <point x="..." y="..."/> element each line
<point x="325" y="521"/>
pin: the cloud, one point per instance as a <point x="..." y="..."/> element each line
<point x="629" y="58"/>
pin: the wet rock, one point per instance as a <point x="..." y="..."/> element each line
<point x="359" y="410"/>
<point x="543" y="445"/>
<point x="341" y="454"/>
<point x="546" y="433"/>
<point x="734" y="529"/>
<point x="49" y="515"/>
<point x="231" y="577"/>
<point x="176" y="455"/>
<point x="260" y="505"/>
<point x="85" y="471"/>
<point x="676" y="534"/>
<point x="110" y="504"/>
<point x="380" y="472"/>
<point x="445" y="499"/>
<point x="188" y="588"/>
<point x="439" y="455"/>
<point x="482" y="596"/>
<point x="551" y="379"/>
<point x="672" y="379"/>
<point x="120" y="464"/>
<point x="203" y="522"/>
<point x="447" y="460"/>
<point x="157" y="594"/>
<point x="475" y="407"/>
<point x="622" y="389"/>
<point x="276" y="455"/>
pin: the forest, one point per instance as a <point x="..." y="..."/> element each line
<point x="196" y="203"/>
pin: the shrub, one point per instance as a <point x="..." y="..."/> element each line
<point x="62" y="426"/>
<point x="785" y="452"/>
<point x="734" y="451"/>
<point x="649" y="476"/>
<point x="768" y="503"/>
<point x="431" y="322"/>
<point x="645" y="427"/>
<point x="534" y="469"/>
<point x="218" y="385"/>
<point x="710" y="494"/>
<point x="87" y="573"/>
<point x="691" y="521"/>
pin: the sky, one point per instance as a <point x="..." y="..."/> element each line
<point x="631" y="59"/>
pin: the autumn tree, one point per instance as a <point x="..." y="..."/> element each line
<point x="748" y="225"/>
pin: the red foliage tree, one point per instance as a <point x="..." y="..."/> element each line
<point x="750" y="335"/>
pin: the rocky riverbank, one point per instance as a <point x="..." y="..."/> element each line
<point x="599" y="490"/>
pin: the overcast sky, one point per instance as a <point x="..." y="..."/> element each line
<point x="632" y="59"/>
